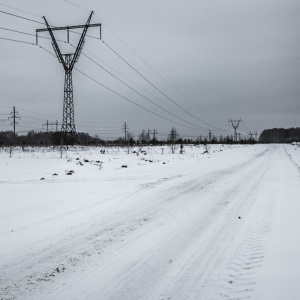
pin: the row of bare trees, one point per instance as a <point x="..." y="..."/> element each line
<point x="144" y="138"/>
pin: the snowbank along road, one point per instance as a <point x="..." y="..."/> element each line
<point x="168" y="226"/>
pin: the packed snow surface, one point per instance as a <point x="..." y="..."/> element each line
<point x="150" y="224"/>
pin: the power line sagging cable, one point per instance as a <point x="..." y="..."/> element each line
<point x="26" y="33"/>
<point x="17" y="41"/>
<point x="142" y="94"/>
<point x="26" y="12"/>
<point x="127" y="99"/>
<point x="159" y="90"/>
<point x="151" y="69"/>
<point x="118" y="78"/>
<point x="174" y="122"/>
<point x="31" y="20"/>
<point x="17" y="16"/>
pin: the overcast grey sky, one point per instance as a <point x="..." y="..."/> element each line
<point x="215" y="59"/>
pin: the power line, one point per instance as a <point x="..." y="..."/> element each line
<point x="112" y="74"/>
<point x="148" y="66"/>
<point x="31" y="20"/>
<point x="144" y="108"/>
<point x="174" y="122"/>
<point x="26" y="33"/>
<point x="76" y="5"/>
<point x="27" y="122"/>
<point x="22" y="32"/>
<point x="174" y="107"/>
<point x="140" y="93"/>
<point x="98" y="18"/>
<point x="99" y="123"/>
<point x="30" y="128"/>
<point x="26" y="12"/>
<point x="21" y="109"/>
<point x="143" y="60"/>
<point x="100" y="84"/>
<point x="17" y="16"/>
<point x="124" y="61"/>
<point x="157" y="87"/>
<point x="124" y="96"/>
<point x="17" y="41"/>
<point x="46" y="50"/>
<point x="32" y="118"/>
<point x="102" y="130"/>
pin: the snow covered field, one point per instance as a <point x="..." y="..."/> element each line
<point x="222" y="225"/>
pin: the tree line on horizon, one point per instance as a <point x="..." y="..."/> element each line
<point x="33" y="138"/>
<point x="280" y="135"/>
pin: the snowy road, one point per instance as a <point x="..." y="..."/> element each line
<point x="196" y="227"/>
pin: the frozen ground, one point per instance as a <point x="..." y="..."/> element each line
<point x="169" y="226"/>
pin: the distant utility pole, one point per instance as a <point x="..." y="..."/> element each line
<point x="149" y="135"/>
<point x="143" y="136"/>
<point x="68" y="61"/>
<point x="173" y="136"/>
<point x="235" y="124"/>
<point x="209" y="136"/>
<point x="47" y="124"/>
<point x="253" y="134"/>
<point x="155" y="132"/>
<point x="14" y="116"/>
<point x="51" y="124"/>
<point x="125" y="130"/>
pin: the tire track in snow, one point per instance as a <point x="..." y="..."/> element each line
<point x="179" y="266"/>
<point x="292" y="160"/>
<point x="244" y="264"/>
<point x="242" y="271"/>
<point x="215" y="250"/>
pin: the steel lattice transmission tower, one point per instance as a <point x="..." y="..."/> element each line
<point x="68" y="61"/>
<point x="235" y="124"/>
